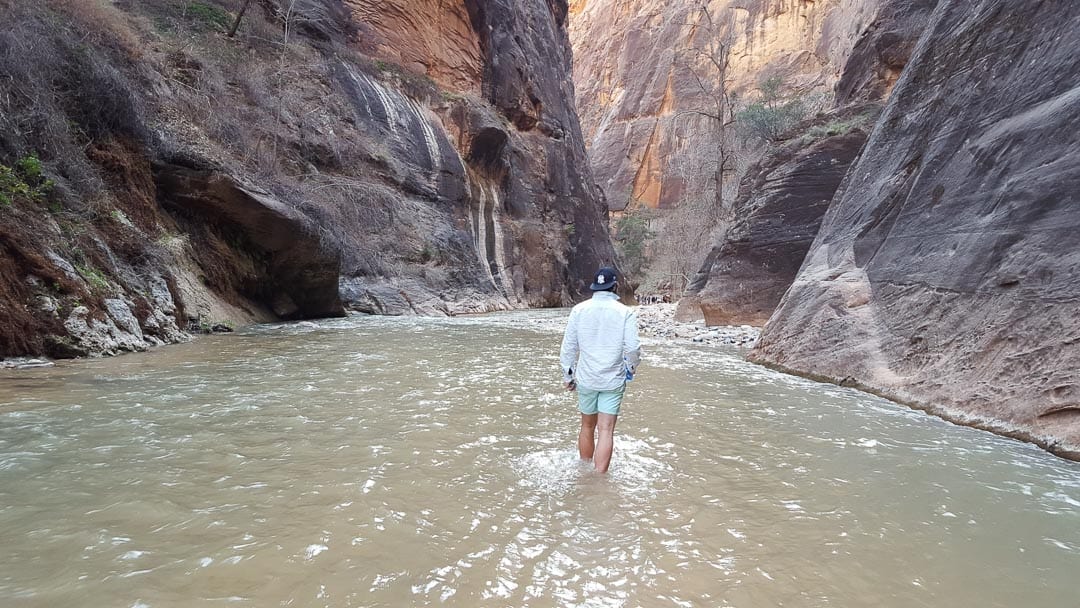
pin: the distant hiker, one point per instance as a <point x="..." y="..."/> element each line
<point x="600" y="353"/>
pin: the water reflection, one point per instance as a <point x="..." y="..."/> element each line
<point x="391" y="462"/>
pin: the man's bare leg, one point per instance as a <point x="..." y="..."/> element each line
<point x="605" y="442"/>
<point x="586" y="438"/>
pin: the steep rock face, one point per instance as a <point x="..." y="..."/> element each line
<point x="882" y="50"/>
<point x="436" y="39"/>
<point x="637" y="94"/>
<point x="397" y="158"/>
<point x="746" y="273"/>
<point x="288" y="266"/>
<point x="515" y="171"/>
<point x="781" y="203"/>
<point x="529" y="79"/>
<point x="947" y="270"/>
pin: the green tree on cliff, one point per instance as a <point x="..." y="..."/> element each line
<point x="632" y="236"/>
<point x="774" y="113"/>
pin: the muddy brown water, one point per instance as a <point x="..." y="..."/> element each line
<point x="430" y="462"/>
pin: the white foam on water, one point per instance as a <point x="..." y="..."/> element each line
<point x="553" y="470"/>
<point x="313" y="550"/>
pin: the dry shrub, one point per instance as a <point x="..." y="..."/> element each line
<point x="22" y="330"/>
<point x="355" y="217"/>
<point x="57" y="93"/>
<point x="101" y="23"/>
<point x="100" y="99"/>
<point x="127" y="171"/>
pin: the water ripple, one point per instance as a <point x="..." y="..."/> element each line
<point x="410" y="461"/>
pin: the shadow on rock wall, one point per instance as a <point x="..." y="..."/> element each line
<point x="947" y="270"/>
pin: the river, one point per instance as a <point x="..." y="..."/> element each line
<point x="420" y="462"/>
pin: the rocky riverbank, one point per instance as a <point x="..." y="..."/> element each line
<point x="658" y="321"/>
<point x="654" y="321"/>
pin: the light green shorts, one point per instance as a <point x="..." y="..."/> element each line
<point x="608" y="402"/>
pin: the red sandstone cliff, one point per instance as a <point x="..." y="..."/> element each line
<point x="636" y="90"/>
<point x="397" y="157"/>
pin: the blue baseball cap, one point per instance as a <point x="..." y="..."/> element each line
<point x="605" y="279"/>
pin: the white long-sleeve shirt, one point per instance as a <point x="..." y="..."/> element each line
<point x="601" y="343"/>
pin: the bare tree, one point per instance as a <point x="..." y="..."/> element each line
<point x="707" y="61"/>
<point x="706" y="158"/>
<point x="239" y="16"/>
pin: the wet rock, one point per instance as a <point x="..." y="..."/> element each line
<point x="284" y="306"/>
<point x="98" y="336"/>
<point x="47" y="305"/>
<point x="160" y="328"/>
<point x="64" y="265"/>
<point x="122" y="316"/>
<point x="397" y="298"/>
<point x="63" y="347"/>
<point x="160" y="295"/>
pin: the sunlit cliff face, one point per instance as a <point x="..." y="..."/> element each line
<point x="427" y="37"/>
<point x="637" y="64"/>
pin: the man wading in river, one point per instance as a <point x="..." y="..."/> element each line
<point x="600" y="352"/>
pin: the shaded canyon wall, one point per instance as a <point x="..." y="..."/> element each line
<point x="947" y="270"/>
<point x="778" y="212"/>
<point x="393" y="158"/>
<point x="782" y="198"/>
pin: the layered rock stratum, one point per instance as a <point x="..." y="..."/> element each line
<point x="394" y="158"/>
<point x="946" y="273"/>
<point x="781" y="202"/>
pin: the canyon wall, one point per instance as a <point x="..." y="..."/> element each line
<point x="638" y="93"/>
<point x="778" y="207"/>
<point x="778" y="211"/>
<point x="159" y="176"/>
<point x="505" y="157"/>
<point x="946" y="273"/>
<point x="649" y="88"/>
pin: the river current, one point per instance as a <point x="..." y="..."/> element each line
<point x="432" y="462"/>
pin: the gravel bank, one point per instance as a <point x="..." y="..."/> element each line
<point x="658" y="321"/>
